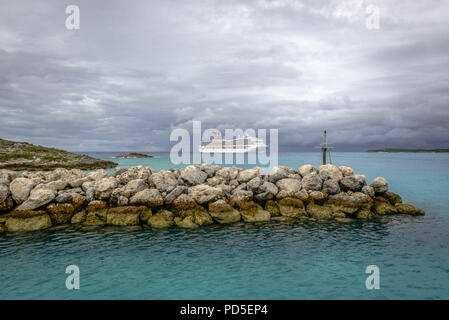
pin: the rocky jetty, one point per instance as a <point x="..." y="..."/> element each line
<point x="26" y="156"/>
<point x="191" y="197"/>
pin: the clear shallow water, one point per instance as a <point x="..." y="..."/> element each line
<point x="279" y="261"/>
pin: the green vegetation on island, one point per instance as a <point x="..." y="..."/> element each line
<point x="26" y="156"/>
<point x="409" y="150"/>
<point x="134" y="155"/>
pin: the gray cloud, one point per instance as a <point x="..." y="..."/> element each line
<point x="135" y="71"/>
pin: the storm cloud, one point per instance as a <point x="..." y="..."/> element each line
<point x="135" y="71"/>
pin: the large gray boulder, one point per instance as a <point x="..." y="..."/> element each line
<point x="247" y="175"/>
<point x="134" y="186"/>
<point x="37" y="198"/>
<point x="164" y="180"/>
<point x="21" y="188"/>
<point x="380" y="185"/>
<point x="193" y="175"/>
<point x="331" y="171"/>
<point x="312" y="181"/>
<point x="346" y="171"/>
<point x="104" y="188"/>
<point x="133" y="173"/>
<point x="227" y="173"/>
<point x="268" y="187"/>
<point x="241" y="195"/>
<point x="6" y="202"/>
<point x="254" y="183"/>
<point x="203" y="193"/>
<point x="278" y="173"/>
<point x="148" y="197"/>
<point x="97" y="175"/>
<point x="175" y="193"/>
<point x="6" y="176"/>
<point x="353" y="183"/>
<point x="331" y="186"/>
<point x="290" y="185"/>
<point x="306" y="169"/>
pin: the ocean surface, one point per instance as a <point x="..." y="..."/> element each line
<point x="270" y="261"/>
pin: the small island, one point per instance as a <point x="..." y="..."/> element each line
<point x="409" y="150"/>
<point x="133" y="155"/>
<point x="21" y="156"/>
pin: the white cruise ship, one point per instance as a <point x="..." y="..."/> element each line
<point x="236" y="145"/>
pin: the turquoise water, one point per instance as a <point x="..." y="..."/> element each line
<point x="278" y="261"/>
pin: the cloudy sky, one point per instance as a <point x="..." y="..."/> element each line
<point x="135" y="70"/>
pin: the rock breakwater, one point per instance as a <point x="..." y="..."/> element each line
<point x="191" y="197"/>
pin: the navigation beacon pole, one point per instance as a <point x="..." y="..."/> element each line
<point x="325" y="148"/>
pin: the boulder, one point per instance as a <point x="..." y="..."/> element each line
<point x="79" y="217"/>
<point x="96" y="205"/>
<point x="247" y="175"/>
<point x="6" y="176"/>
<point x="162" y="219"/>
<point x="273" y="208"/>
<point x="223" y="212"/>
<point x="346" y="171"/>
<point x="331" y="186"/>
<point x="78" y="201"/>
<point x="97" y="175"/>
<point x="210" y="170"/>
<point x="37" y="198"/>
<point x="228" y="173"/>
<point x="95" y="218"/>
<point x="183" y="206"/>
<point x="5" y="199"/>
<point x="104" y="187"/>
<point x="126" y="175"/>
<point x="30" y="221"/>
<point x="380" y="185"/>
<point x="201" y="217"/>
<point x="148" y="197"/>
<point x="241" y="196"/>
<point x="60" y="213"/>
<point x="252" y="212"/>
<point x="188" y="222"/>
<point x="20" y="189"/>
<point x="134" y="186"/>
<point x="406" y="208"/>
<point x="193" y="175"/>
<point x="319" y="212"/>
<point x="307" y="169"/>
<point x="369" y="191"/>
<point x="125" y="216"/>
<point x="383" y="207"/>
<point x="312" y="181"/>
<point x="164" y="181"/>
<point x="289" y="185"/>
<point x="268" y="187"/>
<point x="392" y="197"/>
<point x="332" y="172"/>
<point x="64" y="198"/>
<point x="278" y="173"/>
<point x="292" y="208"/>
<point x="353" y="183"/>
<point x="203" y="193"/>
<point x="254" y="183"/>
<point x="175" y="193"/>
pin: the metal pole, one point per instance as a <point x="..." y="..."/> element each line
<point x="324" y="156"/>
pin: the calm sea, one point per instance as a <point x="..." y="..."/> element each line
<point x="278" y="261"/>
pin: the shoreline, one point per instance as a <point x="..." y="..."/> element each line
<point x="191" y="197"/>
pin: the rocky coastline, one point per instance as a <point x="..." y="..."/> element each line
<point x="191" y="197"/>
<point x="20" y="156"/>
